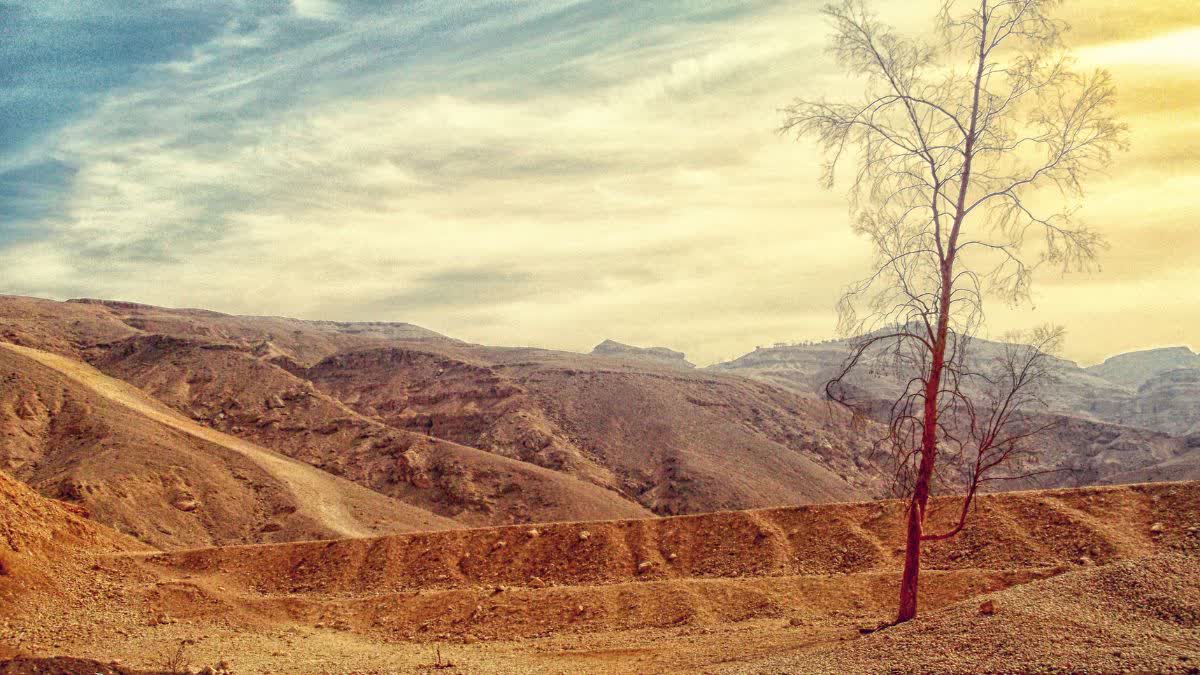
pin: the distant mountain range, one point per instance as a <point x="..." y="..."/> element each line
<point x="189" y="427"/>
<point x="1155" y="389"/>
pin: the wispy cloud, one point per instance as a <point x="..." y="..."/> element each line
<point x="542" y="173"/>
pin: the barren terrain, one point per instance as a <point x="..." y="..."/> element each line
<point x="796" y="589"/>
<point x="185" y="489"/>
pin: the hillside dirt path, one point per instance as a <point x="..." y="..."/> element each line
<point x="317" y="493"/>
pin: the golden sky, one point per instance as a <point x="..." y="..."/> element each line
<point x="547" y="174"/>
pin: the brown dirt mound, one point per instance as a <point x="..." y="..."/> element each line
<point x="720" y="590"/>
<point x="1131" y="616"/>
<point x="31" y="525"/>
<point x="44" y="549"/>
<point x="61" y="666"/>
<point x="1008" y="531"/>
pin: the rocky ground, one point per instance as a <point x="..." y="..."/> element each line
<point x="1099" y="578"/>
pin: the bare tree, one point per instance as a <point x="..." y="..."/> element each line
<point x="968" y="152"/>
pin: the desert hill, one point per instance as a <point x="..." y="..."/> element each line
<point x="242" y="394"/>
<point x="33" y="526"/>
<point x="45" y="549"/>
<point x="1109" y="422"/>
<point x="793" y="588"/>
<point x="1133" y="369"/>
<point x="78" y="435"/>
<point x="488" y="435"/>
<point x="673" y="441"/>
<point x="71" y="326"/>
<point x="655" y="354"/>
<point x="479" y="434"/>
<point x="1153" y="389"/>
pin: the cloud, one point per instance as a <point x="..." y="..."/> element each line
<point x="1100" y="21"/>
<point x="1176" y="48"/>
<point x="518" y="173"/>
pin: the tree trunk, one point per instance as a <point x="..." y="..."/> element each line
<point x="912" y="566"/>
<point x="920" y="495"/>
<point x="912" y="546"/>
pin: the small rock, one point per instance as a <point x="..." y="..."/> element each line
<point x="1157" y="528"/>
<point x="533" y="533"/>
<point x="671" y="556"/>
<point x="537" y="582"/>
<point x="1086" y="561"/>
<point x="579" y="609"/>
<point x="795" y="621"/>
<point x="499" y="545"/>
<point x="644" y="566"/>
<point x="585" y="535"/>
<point x="988" y="608"/>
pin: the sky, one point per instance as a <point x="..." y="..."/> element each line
<point x="547" y="173"/>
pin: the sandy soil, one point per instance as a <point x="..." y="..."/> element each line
<point x="1099" y="578"/>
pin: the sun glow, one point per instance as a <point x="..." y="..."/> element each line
<point x="1177" y="48"/>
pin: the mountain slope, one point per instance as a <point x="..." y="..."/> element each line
<point x="1133" y="369"/>
<point x="675" y="441"/>
<point x="75" y="433"/>
<point x="484" y="435"/>
<point x="660" y="355"/>
<point x="487" y="435"/>
<point x="1169" y="401"/>
<point x="244" y="394"/>
<point x="1106" y="427"/>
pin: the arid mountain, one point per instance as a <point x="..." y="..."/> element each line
<point x="447" y="433"/>
<point x="67" y="327"/>
<point x="656" y="354"/>
<point x="1169" y="401"/>
<point x="77" y="435"/>
<point x="672" y="440"/>
<point x="230" y="388"/>
<point x="1133" y="369"/>
<point x="1156" y="389"/>
<point x="481" y="435"/>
